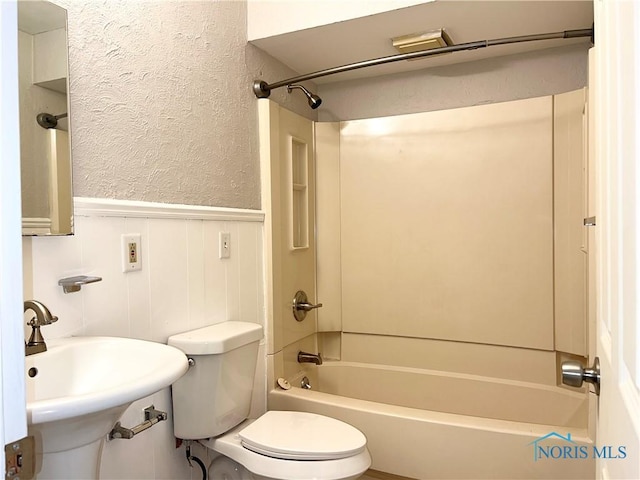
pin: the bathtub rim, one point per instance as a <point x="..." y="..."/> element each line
<point x="532" y="430"/>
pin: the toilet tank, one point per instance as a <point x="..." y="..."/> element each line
<point x="215" y="393"/>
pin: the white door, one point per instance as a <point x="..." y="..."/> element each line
<point x="617" y="129"/>
<point x="13" y="424"/>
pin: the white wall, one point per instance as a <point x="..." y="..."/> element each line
<point x="182" y="285"/>
<point x="500" y="79"/>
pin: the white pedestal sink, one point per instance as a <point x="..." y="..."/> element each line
<point x="78" y="389"/>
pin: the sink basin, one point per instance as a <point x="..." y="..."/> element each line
<point x="83" y="375"/>
<point x="78" y="389"/>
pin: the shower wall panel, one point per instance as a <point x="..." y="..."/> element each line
<point x="447" y="224"/>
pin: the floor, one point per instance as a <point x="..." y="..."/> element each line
<point x="377" y="475"/>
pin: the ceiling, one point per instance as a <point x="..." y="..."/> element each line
<point x="369" y="37"/>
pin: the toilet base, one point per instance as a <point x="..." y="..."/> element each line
<point x="223" y="468"/>
<point x="248" y="465"/>
<point x="226" y="469"/>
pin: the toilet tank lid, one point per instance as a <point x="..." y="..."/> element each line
<point x="220" y="338"/>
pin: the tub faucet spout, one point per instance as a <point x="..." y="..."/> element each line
<point x="304" y="357"/>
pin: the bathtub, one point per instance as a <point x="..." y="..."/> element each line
<point x="428" y="424"/>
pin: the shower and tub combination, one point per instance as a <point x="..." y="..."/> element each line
<point x="452" y="288"/>
<point x="433" y="424"/>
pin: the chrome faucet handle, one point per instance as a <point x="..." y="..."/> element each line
<point x="307" y="306"/>
<point x="301" y="305"/>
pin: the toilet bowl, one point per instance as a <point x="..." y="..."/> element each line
<point x="295" y="446"/>
<point x="211" y="403"/>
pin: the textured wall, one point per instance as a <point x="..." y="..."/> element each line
<point x="500" y="79"/>
<point x="161" y="102"/>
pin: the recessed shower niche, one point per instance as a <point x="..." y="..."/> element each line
<point x="299" y="194"/>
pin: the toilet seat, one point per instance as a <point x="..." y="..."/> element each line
<point x="302" y="436"/>
<point x="230" y="445"/>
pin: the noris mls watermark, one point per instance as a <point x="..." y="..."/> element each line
<point x="554" y="446"/>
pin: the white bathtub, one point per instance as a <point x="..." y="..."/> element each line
<point x="426" y="424"/>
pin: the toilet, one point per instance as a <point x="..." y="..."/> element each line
<point x="211" y="403"/>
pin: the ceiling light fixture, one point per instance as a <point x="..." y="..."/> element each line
<point x="418" y="42"/>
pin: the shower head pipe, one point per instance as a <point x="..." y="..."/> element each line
<point x="313" y="99"/>
<point x="262" y="89"/>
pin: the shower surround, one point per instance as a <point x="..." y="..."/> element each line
<point x="451" y="275"/>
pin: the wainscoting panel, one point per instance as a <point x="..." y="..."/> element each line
<point x="183" y="285"/>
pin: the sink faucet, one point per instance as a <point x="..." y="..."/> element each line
<point x="36" y="343"/>
<point x="304" y="357"/>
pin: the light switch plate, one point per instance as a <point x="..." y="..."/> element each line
<point x="225" y="245"/>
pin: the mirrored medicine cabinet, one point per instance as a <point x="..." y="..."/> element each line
<point x="45" y="136"/>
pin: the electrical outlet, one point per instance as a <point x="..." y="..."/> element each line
<point x="225" y="245"/>
<point x="131" y="252"/>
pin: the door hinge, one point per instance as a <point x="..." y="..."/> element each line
<point x="20" y="459"/>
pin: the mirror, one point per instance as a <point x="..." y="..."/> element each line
<point x="45" y="137"/>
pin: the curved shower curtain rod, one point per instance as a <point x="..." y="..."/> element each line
<point x="262" y="89"/>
